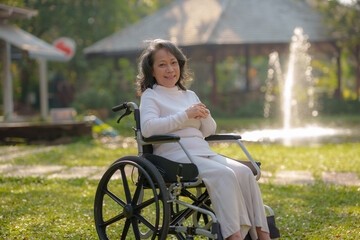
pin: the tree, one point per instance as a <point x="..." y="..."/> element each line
<point x="345" y="21"/>
<point x="85" y="21"/>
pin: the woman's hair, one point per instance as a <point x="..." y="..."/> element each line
<point x="145" y="77"/>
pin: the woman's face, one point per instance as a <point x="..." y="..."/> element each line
<point x="166" y="68"/>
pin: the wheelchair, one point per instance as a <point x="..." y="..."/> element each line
<point x="150" y="197"/>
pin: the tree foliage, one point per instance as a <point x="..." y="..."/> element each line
<point x="344" y="21"/>
<point x="84" y="21"/>
<point x="87" y="21"/>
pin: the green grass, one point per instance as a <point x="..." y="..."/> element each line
<point x="34" y="208"/>
<point x="84" y="153"/>
<point x="315" y="211"/>
<point x="343" y="157"/>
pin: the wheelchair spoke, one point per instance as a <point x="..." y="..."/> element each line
<point x="138" y="190"/>
<point x="126" y="185"/>
<point x="146" y="222"/>
<point x="126" y="229"/>
<point x="144" y="204"/>
<point x="115" y="198"/>
<point x="135" y="228"/>
<point x="183" y="214"/>
<point x="112" y="220"/>
<point x="179" y="236"/>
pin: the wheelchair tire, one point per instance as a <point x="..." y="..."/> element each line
<point x="136" y="208"/>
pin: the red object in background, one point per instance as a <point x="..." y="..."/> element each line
<point x="66" y="45"/>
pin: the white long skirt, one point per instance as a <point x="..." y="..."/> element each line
<point x="235" y="195"/>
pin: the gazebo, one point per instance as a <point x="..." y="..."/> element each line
<point x="213" y="29"/>
<point x="36" y="49"/>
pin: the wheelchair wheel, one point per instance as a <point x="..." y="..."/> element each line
<point x="184" y="216"/>
<point x="131" y="201"/>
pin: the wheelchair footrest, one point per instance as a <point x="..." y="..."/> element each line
<point x="216" y="230"/>
<point x="274" y="231"/>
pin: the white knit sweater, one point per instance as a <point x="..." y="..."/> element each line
<point x="162" y="111"/>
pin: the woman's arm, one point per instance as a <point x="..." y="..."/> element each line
<point x="152" y="123"/>
<point x="208" y="124"/>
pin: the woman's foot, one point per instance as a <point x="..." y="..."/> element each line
<point x="262" y="235"/>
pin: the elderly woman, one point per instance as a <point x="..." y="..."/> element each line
<point x="167" y="107"/>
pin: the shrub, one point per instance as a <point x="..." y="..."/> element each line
<point x="333" y="106"/>
<point x="93" y="98"/>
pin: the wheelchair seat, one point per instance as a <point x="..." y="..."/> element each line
<point x="169" y="170"/>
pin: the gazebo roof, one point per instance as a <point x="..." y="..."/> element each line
<point x="217" y="22"/>
<point x="11" y="12"/>
<point x="35" y="47"/>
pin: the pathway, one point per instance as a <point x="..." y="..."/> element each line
<point x="8" y="153"/>
<point x="93" y="172"/>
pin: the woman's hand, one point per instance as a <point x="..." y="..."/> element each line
<point x="197" y="111"/>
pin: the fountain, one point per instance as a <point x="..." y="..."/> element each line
<point x="297" y="87"/>
<point x="297" y="98"/>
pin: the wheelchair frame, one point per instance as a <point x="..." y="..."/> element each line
<point x="169" y="218"/>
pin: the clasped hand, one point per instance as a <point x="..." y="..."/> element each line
<point x="197" y="111"/>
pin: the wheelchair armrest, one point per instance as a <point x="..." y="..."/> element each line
<point x="222" y="137"/>
<point x="162" y="138"/>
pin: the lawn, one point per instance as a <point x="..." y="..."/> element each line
<point x="329" y="157"/>
<point x="37" y="208"/>
<point x="33" y="208"/>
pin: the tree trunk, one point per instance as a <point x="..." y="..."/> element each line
<point x="24" y="79"/>
<point x="357" y="70"/>
<point x="338" y="91"/>
<point x="214" y="81"/>
<point x="247" y="68"/>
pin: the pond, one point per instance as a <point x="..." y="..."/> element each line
<point x="303" y="136"/>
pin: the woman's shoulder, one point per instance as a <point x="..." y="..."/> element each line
<point x="148" y="93"/>
<point x="190" y="92"/>
<point x="152" y="92"/>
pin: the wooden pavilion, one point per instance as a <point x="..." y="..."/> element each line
<point x="10" y="35"/>
<point x="20" y="132"/>
<point x="213" y="29"/>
